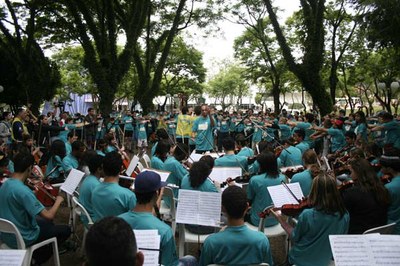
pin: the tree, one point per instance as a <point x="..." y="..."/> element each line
<point x="28" y="76"/>
<point x="164" y="20"/>
<point x="184" y="72"/>
<point x="227" y="85"/>
<point x="308" y="71"/>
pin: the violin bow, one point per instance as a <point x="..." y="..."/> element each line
<point x="290" y="191"/>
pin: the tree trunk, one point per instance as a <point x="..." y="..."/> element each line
<point x="275" y="94"/>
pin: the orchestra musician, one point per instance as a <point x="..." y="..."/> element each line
<point x="305" y="178"/>
<point x="290" y="155"/>
<point x="202" y="130"/>
<point x="72" y="160"/>
<point x="391" y="166"/>
<point x="94" y="161"/>
<point x="367" y="200"/>
<point x="328" y="216"/>
<point x="298" y="136"/>
<point x="162" y="151"/>
<point x="55" y="159"/>
<point x="236" y="244"/>
<point x="257" y="191"/>
<point x="20" y="206"/>
<point x="241" y="146"/>
<point x="230" y="159"/>
<point x="109" y="198"/>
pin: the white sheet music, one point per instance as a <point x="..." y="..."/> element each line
<point x="194" y="157"/>
<point x="201" y="208"/>
<point x="357" y="250"/>
<point x="145" y="240"/>
<point x="12" y="257"/>
<point x="220" y="174"/>
<point x="163" y="174"/>
<point x="132" y="165"/>
<point x="72" y="181"/>
<point x="280" y="195"/>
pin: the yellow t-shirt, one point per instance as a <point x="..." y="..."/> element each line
<point x="184" y="126"/>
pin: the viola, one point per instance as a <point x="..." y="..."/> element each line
<point x="292" y="170"/>
<point x="278" y="150"/>
<point x="292" y="210"/>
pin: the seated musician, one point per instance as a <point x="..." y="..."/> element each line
<point x="236" y="244"/>
<point x="328" y="216"/>
<point x="161" y="134"/>
<point x="305" y="178"/>
<point x="71" y="138"/>
<point x="147" y="189"/>
<point x="111" y="241"/>
<point x="101" y="147"/>
<point x="290" y="155"/>
<point x="161" y="154"/>
<point x="111" y="143"/>
<point x="55" y="168"/>
<point x="94" y="161"/>
<point x="109" y="198"/>
<point x="72" y="160"/>
<point x="298" y="136"/>
<point x="257" y="191"/>
<point x="391" y="166"/>
<point x="174" y="165"/>
<point x="20" y="206"/>
<point x="241" y="146"/>
<point x="367" y="200"/>
<point x="350" y="138"/>
<point x="230" y="159"/>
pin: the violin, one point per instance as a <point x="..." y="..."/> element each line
<point x="292" y="210"/>
<point x="386" y="178"/>
<point x="239" y="179"/>
<point x="345" y="185"/>
<point x="292" y="170"/>
<point x="45" y="192"/>
<point x="278" y="150"/>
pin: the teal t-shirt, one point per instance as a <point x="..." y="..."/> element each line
<point x="286" y="131"/>
<point x="246" y="152"/>
<point x="156" y="163"/>
<point x="85" y="195"/>
<point x="70" y="162"/>
<point x="305" y="180"/>
<point x="392" y="131"/>
<point x="175" y="177"/>
<point x="337" y="140"/>
<point x="68" y="148"/>
<point x="303" y="146"/>
<point x="20" y="206"/>
<point x="128" y="120"/>
<point x="311" y="237"/>
<point x="146" y="221"/>
<point x="258" y="194"/>
<point x="55" y="161"/>
<point x="361" y="130"/>
<point x="236" y="245"/>
<point x="204" y="136"/>
<point x="291" y="156"/>
<point x="394" y="208"/>
<point x="207" y="186"/>
<point x="110" y="199"/>
<point x="232" y="160"/>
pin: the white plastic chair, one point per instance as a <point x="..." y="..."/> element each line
<point x="271" y="231"/>
<point x="185" y="237"/>
<point x="168" y="213"/>
<point x="79" y="210"/>
<point x="146" y="160"/>
<point x="140" y="166"/>
<point x="384" y="230"/>
<point x="9" y="227"/>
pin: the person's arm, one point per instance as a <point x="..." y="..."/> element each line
<point x="320" y="129"/>
<point x="377" y="128"/>
<point x="287" y="227"/>
<point x="49" y="214"/>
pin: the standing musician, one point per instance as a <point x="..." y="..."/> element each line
<point x="236" y="244"/>
<point x="202" y="131"/>
<point x="109" y="198"/>
<point x="184" y="126"/>
<point x="91" y="127"/>
<point x="328" y="216"/>
<point x="223" y="125"/>
<point x="367" y="200"/>
<point x="391" y="166"/>
<point x="305" y="178"/>
<point x="391" y="128"/>
<point x="230" y="159"/>
<point x="20" y="206"/>
<point x="298" y="136"/>
<point x="257" y="191"/>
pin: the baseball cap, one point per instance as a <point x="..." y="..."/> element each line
<point x="148" y="181"/>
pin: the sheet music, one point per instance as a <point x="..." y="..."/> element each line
<point x="357" y="250"/>
<point x="12" y="257"/>
<point x="220" y="174"/>
<point x="163" y="174"/>
<point x="201" y="208"/>
<point x="148" y="239"/>
<point x="132" y="165"/>
<point x="280" y="195"/>
<point x="194" y="157"/>
<point x="72" y="181"/>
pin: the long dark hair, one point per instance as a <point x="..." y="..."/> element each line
<point x="268" y="164"/>
<point x="368" y="181"/>
<point x="324" y="195"/>
<point x="198" y="173"/>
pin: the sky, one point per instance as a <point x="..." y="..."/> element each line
<point x="220" y="46"/>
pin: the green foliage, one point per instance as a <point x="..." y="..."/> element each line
<point x="227" y="85"/>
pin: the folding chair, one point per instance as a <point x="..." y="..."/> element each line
<point x="79" y="210"/>
<point x="9" y="227"/>
<point x="146" y="160"/>
<point x="168" y="213"/>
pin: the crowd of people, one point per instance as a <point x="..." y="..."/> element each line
<point x="348" y="168"/>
